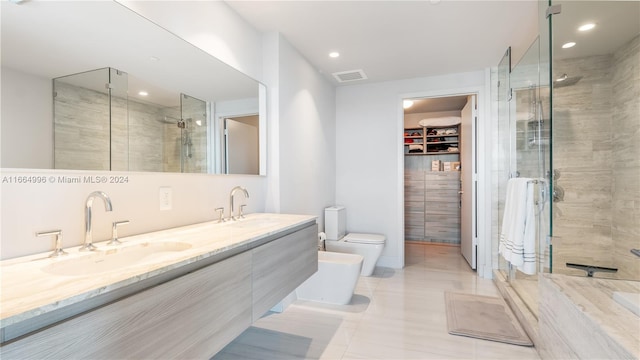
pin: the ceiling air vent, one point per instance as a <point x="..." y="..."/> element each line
<point x="348" y="76"/>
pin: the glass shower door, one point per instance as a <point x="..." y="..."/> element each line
<point x="523" y="130"/>
<point x="545" y="136"/>
<point x="81" y="112"/>
<point x="502" y="152"/>
<point x="119" y="107"/>
<point x="193" y="134"/>
<point x="532" y="140"/>
<point x="596" y="147"/>
<point x="91" y="130"/>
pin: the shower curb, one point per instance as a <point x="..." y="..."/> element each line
<point x="525" y="317"/>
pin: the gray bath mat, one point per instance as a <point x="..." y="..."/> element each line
<point x="483" y="317"/>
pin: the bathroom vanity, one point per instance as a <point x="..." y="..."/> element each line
<point x="179" y="293"/>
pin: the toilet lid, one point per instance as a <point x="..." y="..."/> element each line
<point x="364" y="238"/>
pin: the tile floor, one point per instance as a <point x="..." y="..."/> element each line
<point x="395" y="314"/>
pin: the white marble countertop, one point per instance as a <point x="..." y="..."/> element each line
<point x="36" y="284"/>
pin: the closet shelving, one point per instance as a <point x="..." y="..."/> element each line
<point x="414" y="136"/>
<point x="434" y="140"/>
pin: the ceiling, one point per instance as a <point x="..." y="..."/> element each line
<point x="386" y="39"/>
<point x="392" y="40"/>
<point x="617" y="22"/>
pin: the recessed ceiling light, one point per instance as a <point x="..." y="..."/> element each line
<point x="586" y="27"/>
<point x="569" y="45"/>
<point x="334" y="54"/>
<point x="143" y="93"/>
<point x="407" y="104"/>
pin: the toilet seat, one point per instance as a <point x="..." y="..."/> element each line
<point x="359" y="238"/>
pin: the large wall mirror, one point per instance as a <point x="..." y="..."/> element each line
<point x="95" y="86"/>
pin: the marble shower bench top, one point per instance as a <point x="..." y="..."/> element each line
<point x="593" y="299"/>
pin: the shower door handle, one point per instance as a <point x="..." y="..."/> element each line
<point x="558" y="193"/>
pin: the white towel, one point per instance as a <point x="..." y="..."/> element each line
<point x="542" y="243"/>
<point x="505" y="247"/>
<point x="517" y="238"/>
<point x="529" y="239"/>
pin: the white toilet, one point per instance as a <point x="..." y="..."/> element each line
<point x="368" y="245"/>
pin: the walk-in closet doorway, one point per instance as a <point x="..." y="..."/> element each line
<point x="440" y="172"/>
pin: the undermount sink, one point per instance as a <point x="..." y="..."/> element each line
<point x="258" y="223"/>
<point x="110" y="259"/>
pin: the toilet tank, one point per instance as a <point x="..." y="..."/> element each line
<point x="335" y="222"/>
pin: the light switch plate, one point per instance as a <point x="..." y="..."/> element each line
<point x="166" y="201"/>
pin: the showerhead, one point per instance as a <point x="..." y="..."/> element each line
<point x="564" y="80"/>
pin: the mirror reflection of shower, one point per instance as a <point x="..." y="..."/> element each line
<point x="99" y="124"/>
<point x="566" y="80"/>
<point x="194" y="134"/>
<point x="186" y="137"/>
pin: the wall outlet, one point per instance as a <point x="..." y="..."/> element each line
<point x="166" y="201"/>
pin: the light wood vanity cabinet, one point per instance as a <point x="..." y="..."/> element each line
<point x="192" y="316"/>
<point x="275" y="268"/>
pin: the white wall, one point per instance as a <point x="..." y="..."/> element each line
<point x="27" y="207"/>
<point x="210" y="25"/>
<point x="271" y="71"/>
<point x="27" y="118"/>
<point x="369" y="162"/>
<point x="305" y="134"/>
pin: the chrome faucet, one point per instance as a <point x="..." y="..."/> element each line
<point x="58" y="234"/>
<point x="88" y="240"/>
<point x="114" y="232"/>
<point x="233" y="192"/>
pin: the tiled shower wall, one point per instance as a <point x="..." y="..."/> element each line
<point x="596" y="149"/>
<point x="140" y="138"/>
<point x="145" y="137"/>
<point x="82" y="132"/>
<point x="195" y="157"/>
<point x="174" y="139"/>
<point x="626" y="159"/>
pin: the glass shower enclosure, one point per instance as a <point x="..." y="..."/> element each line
<point x="596" y="138"/>
<point x="523" y="130"/>
<point x="99" y="124"/>
<point x="91" y="130"/>
<point x="568" y="117"/>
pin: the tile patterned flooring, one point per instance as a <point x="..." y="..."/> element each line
<point x="395" y="314"/>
